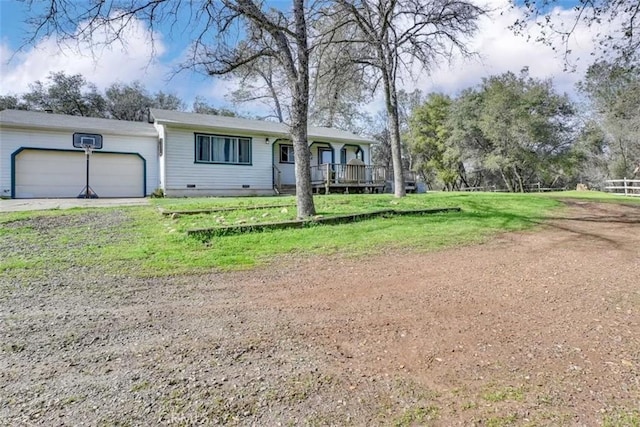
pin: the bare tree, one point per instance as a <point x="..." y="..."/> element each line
<point x="620" y="43"/>
<point x="393" y="35"/>
<point x="283" y="37"/>
<point x="228" y="35"/>
<point x="263" y="81"/>
<point x="339" y="85"/>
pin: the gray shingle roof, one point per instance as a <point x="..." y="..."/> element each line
<point x="44" y="121"/>
<point x="39" y="120"/>
<point x="231" y="124"/>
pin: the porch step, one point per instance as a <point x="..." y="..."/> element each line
<point x="287" y="190"/>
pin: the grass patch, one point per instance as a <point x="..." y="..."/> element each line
<point x="206" y="234"/>
<point x="469" y="405"/>
<point x="197" y="203"/>
<point x="622" y="418"/>
<point x="416" y="416"/>
<point x="502" y="421"/>
<point x="504" y="394"/>
<point x="143" y="385"/>
<point x="139" y="240"/>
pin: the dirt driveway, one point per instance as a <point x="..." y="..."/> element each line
<point x="536" y="328"/>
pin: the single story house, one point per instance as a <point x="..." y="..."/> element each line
<point x="184" y="154"/>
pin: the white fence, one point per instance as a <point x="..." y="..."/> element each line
<point x="627" y="187"/>
<point x="529" y="188"/>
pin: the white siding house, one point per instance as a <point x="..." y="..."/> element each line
<point x="244" y="164"/>
<point x="184" y="154"/>
<point x="38" y="159"/>
<point x="188" y="169"/>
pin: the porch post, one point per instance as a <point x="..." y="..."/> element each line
<point x="338" y="150"/>
<point x="328" y="179"/>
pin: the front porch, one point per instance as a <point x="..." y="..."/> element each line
<point x="351" y="175"/>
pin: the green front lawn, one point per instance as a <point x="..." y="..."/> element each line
<point x="144" y="242"/>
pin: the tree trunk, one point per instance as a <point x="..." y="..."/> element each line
<point x="300" y="117"/>
<point x="507" y="182"/>
<point x="304" y="191"/>
<point x="391" y="101"/>
<point x="462" y="174"/>
<point x="519" y="179"/>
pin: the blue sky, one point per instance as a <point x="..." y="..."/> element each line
<point x="499" y="51"/>
<point x="154" y="70"/>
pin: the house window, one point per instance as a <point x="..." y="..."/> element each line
<point x="343" y="156"/>
<point x="223" y="149"/>
<point x="286" y="153"/>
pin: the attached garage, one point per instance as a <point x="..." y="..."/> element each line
<point x="39" y="157"/>
<point x="46" y="173"/>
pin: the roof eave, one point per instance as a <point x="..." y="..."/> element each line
<point x="314" y="138"/>
<point x="27" y="126"/>
<point x="266" y="132"/>
<point x="196" y="126"/>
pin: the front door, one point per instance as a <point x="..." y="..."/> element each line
<point x="325" y="155"/>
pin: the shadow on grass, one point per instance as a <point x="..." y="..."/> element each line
<point x="593" y="213"/>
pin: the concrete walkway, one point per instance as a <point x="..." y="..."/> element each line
<point x="15" y="205"/>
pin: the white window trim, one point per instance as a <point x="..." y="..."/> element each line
<point x="235" y="146"/>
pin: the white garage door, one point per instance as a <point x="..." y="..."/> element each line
<point x="44" y="173"/>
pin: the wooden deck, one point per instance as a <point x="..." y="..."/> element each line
<point x="349" y="179"/>
<point x="346" y="179"/>
<point x="324" y="188"/>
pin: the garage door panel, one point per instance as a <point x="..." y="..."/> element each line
<point x="49" y="173"/>
<point x="116" y="175"/>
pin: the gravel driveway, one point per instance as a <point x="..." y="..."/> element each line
<point x="535" y="328"/>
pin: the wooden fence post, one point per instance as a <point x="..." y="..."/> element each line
<point x="625" y="187"/>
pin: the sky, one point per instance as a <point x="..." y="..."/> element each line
<point x="154" y="64"/>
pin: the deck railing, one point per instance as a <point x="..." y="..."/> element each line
<point x="277" y="180"/>
<point x="340" y="174"/>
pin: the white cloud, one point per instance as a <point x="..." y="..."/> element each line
<point x="218" y="90"/>
<point x="500" y="50"/>
<point x="134" y="58"/>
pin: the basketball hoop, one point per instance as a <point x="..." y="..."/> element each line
<point x="88" y="142"/>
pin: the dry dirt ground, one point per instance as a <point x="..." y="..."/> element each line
<point x="533" y="328"/>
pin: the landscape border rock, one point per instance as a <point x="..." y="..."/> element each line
<point x="175" y="214"/>
<point x="207" y="233"/>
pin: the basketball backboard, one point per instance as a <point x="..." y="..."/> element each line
<point x="87" y="140"/>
